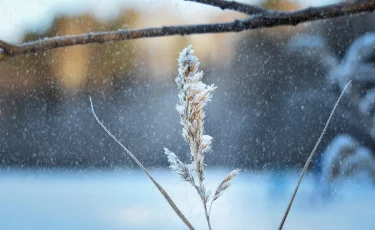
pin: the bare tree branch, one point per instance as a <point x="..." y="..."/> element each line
<point x="236" y="6"/>
<point x="254" y="22"/>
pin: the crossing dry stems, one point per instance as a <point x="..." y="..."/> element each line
<point x="193" y="96"/>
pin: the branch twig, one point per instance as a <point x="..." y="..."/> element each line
<point x="254" y="22"/>
<point x="311" y="156"/>
<point x="162" y="191"/>
<point x="236" y="6"/>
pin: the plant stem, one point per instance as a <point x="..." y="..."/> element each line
<point x="311" y="156"/>
<point x="207" y="216"/>
<point x="204" y="201"/>
<point x="162" y="191"/>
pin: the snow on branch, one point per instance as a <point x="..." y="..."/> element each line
<point x="260" y="20"/>
<point x="233" y="5"/>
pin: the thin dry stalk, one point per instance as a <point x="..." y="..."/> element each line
<point x="162" y="191"/>
<point x="311" y="156"/>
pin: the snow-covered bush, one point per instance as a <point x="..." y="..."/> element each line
<point x="344" y="156"/>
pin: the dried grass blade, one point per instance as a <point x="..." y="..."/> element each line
<point x="162" y="191"/>
<point x="311" y="156"/>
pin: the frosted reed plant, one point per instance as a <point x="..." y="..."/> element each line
<point x="193" y="96"/>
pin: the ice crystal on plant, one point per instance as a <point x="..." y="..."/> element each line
<point x="193" y="96"/>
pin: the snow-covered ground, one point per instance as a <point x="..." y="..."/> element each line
<point x="41" y="200"/>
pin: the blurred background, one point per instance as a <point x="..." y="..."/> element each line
<point x="276" y="88"/>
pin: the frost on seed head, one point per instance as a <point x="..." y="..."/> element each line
<point x="193" y="96"/>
